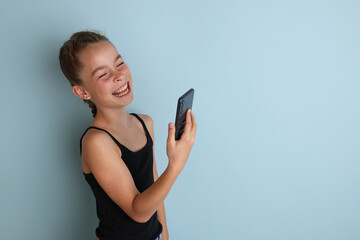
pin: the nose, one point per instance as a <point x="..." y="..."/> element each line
<point x="118" y="76"/>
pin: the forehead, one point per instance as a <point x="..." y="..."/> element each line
<point x="97" y="54"/>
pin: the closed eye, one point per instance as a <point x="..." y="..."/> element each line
<point x="120" y="64"/>
<point x="102" y="75"/>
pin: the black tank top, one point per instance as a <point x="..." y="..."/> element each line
<point x="114" y="223"/>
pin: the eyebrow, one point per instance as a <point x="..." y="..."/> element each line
<point x="101" y="67"/>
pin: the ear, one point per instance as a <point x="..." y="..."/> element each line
<point x="80" y="92"/>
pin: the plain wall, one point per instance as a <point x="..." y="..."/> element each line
<point x="276" y="100"/>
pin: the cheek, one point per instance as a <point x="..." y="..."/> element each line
<point x="128" y="72"/>
<point x="103" y="87"/>
<point x="130" y="77"/>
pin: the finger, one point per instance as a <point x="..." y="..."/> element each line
<point x="194" y="125"/>
<point x="171" y="133"/>
<point x="188" y="122"/>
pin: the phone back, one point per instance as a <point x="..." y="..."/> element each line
<point x="184" y="102"/>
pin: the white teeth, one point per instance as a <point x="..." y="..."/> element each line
<point x="122" y="94"/>
<point x="120" y="90"/>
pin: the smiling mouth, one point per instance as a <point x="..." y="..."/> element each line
<point x="122" y="90"/>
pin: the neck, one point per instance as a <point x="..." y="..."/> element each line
<point x="115" y="120"/>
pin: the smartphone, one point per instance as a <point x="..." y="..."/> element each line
<point x="185" y="102"/>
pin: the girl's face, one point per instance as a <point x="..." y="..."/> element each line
<point x="106" y="77"/>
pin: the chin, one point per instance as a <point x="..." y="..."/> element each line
<point x="129" y="99"/>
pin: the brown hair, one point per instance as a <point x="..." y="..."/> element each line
<point x="69" y="61"/>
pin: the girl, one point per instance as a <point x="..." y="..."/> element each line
<point x="117" y="148"/>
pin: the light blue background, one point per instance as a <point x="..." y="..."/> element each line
<point x="277" y="88"/>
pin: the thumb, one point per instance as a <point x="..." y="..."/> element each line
<point x="171" y="134"/>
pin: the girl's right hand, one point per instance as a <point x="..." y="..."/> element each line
<point x="178" y="151"/>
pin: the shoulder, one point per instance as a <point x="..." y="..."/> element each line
<point x="94" y="135"/>
<point x="147" y="119"/>
<point x="148" y="122"/>
<point x="95" y="139"/>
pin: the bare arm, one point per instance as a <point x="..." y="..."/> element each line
<point x="114" y="177"/>
<point x="161" y="211"/>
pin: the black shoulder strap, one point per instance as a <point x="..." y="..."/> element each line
<point x="143" y="124"/>
<point x="139" y="118"/>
